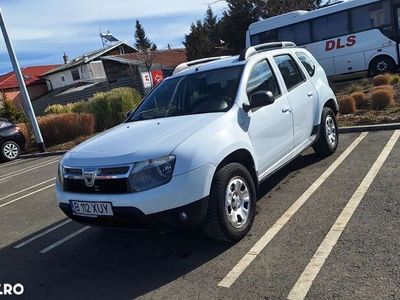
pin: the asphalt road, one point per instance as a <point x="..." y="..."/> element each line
<point x="298" y="214"/>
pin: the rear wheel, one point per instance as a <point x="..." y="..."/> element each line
<point x="381" y="65"/>
<point x="10" y="150"/>
<point x="328" y="136"/>
<point x="232" y="204"/>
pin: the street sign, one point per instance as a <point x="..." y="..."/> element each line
<point x="146" y="79"/>
<point x="157" y="76"/>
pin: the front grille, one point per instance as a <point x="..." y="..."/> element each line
<point x="108" y="180"/>
<point x="101" y="186"/>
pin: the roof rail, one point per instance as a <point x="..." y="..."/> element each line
<point x="193" y="63"/>
<point x="264" y="47"/>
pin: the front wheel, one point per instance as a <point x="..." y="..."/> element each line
<point x="328" y="136"/>
<point x="232" y="205"/>
<point x="10" y="150"/>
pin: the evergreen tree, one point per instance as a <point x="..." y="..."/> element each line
<point x="197" y="42"/>
<point x="142" y="42"/>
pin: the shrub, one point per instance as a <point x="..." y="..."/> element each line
<point x="381" y="98"/>
<point x="394" y="79"/>
<point x="387" y="88"/>
<point x="58" y="109"/>
<point x="27" y="132"/>
<point x="381" y="80"/>
<point x="11" y="112"/>
<point x="61" y="128"/>
<point x="79" y="107"/>
<point x="361" y="100"/>
<point x="109" y="108"/>
<point x="347" y="105"/>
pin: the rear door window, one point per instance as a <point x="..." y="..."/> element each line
<point x="291" y="73"/>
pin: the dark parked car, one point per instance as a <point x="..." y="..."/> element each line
<point x="12" y="141"/>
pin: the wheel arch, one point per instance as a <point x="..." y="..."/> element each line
<point x="332" y="104"/>
<point x="243" y="157"/>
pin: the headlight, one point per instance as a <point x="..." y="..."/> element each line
<point x="151" y="173"/>
<point x="60" y="176"/>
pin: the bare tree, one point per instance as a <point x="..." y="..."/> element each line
<point x="147" y="58"/>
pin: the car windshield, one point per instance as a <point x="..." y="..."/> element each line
<point x="198" y="93"/>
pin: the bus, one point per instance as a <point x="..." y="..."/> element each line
<point x="350" y="37"/>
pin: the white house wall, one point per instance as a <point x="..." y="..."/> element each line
<point x="93" y="71"/>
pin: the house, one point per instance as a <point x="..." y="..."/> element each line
<point x="121" y="67"/>
<point x="87" y="68"/>
<point x="35" y="85"/>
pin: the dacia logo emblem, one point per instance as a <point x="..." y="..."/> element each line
<point x="89" y="177"/>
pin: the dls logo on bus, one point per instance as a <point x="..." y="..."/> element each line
<point x="339" y="44"/>
<point x="8" y="289"/>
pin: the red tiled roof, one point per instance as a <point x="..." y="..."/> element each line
<point x="31" y="75"/>
<point x="166" y="58"/>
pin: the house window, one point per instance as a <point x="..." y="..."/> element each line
<point x="62" y="78"/>
<point x="75" y="74"/>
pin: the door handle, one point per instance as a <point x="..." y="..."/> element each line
<point x="286" y="110"/>
<point x="310" y="94"/>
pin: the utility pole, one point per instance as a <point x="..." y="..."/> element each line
<point x="22" y="87"/>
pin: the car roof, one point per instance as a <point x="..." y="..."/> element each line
<point x="214" y="65"/>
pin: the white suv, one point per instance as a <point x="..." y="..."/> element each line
<point x="195" y="150"/>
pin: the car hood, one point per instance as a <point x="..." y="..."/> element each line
<point x="137" y="141"/>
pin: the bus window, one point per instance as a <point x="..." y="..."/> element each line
<point x="307" y="62"/>
<point x="371" y="16"/>
<point x="297" y="33"/>
<point x="291" y="73"/>
<point x="264" y="37"/>
<point x="330" y="26"/>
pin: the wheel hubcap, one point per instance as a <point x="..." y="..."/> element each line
<point x="330" y="131"/>
<point x="237" y="202"/>
<point x="10" y="151"/>
<point x="382" y="66"/>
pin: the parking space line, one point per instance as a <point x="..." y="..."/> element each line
<point x="303" y="284"/>
<point x="18" y="172"/>
<point x="29" y="188"/>
<point x="3" y="165"/>
<point x="27" y="195"/>
<point x="242" y="265"/>
<point x="56" y="244"/>
<point x="42" y="234"/>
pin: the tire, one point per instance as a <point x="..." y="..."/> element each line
<point x="228" y="222"/>
<point x="10" y="150"/>
<point x="328" y="135"/>
<point x="381" y="65"/>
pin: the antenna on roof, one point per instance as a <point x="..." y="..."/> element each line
<point x="108" y="39"/>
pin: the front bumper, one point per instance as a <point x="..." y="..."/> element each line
<point x="186" y="193"/>
<point x="133" y="218"/>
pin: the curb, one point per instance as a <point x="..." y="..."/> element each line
<point x="44" y="154"/>
<point x="379" y="127"/>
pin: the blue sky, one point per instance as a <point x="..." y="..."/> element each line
<point x="41" y="30"/>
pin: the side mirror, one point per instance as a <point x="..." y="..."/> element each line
<point x="260" y="99"/>
<point x="128" y="114"/>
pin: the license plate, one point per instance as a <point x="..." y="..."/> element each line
<point x="93" y="209"/>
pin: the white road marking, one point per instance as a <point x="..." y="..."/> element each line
<point x="241" y="266"/>
<point x="56" y="244"/>
<point x="13" y="174"/>
<point x="29" y="167"/>
<point x="303" y="284"/>
<point x="16" y="162"/>
<point x="29" y="188"/>
<point x="27" y="195"/>
<point x="42" y="234"/>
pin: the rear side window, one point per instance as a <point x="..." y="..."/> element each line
<point x="262" y="79"/>
<point x="307" y="62"/>
<point x="291" y="73"/>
